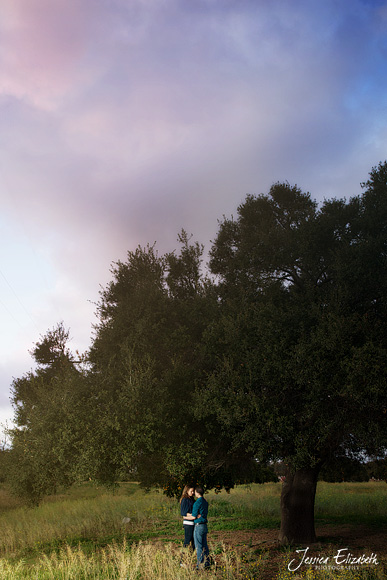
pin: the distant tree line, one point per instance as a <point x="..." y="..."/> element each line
<point x="274" y="351"/>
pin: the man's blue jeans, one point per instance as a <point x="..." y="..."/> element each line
<point x="200" y="538"/>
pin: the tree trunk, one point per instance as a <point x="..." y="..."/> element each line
<point x="297" y="507"/>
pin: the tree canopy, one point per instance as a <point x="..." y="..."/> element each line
<point x="301" y="339"/>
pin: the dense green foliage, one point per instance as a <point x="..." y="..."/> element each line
<point x="302" y="337"/>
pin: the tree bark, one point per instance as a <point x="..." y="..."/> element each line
<point x="297" y="507"/>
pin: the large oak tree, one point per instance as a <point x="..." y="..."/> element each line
<point x="299" y="351"/>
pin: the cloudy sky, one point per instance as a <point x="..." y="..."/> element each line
<point x="123" y="121"/>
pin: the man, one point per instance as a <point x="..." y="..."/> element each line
<point x="199" y="517"/>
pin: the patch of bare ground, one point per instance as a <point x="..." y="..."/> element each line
<point x="336" y="536"/>
<point x="356" y="539"/>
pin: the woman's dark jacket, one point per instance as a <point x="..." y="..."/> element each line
<point x="186" y="505"/>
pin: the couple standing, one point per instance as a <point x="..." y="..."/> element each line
<point x="195" y="523"/>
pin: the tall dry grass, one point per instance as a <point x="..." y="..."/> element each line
<point x="146" y="561"/>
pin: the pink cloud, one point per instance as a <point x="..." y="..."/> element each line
<point x="44" y="43"/>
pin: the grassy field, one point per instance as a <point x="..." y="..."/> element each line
<point x="85" y="533"/>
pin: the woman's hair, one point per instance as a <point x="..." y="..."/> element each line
<point x="185" y="491"/>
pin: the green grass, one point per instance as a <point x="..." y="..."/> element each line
<point x="246" y="507"/>
<point x="80" y="533"/>
<point x="357" y="503"/>
<point x="86" y="515"/>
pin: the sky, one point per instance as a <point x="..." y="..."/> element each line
<point x="124" y="121"/>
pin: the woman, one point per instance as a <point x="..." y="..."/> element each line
<point x="186" y="505"/>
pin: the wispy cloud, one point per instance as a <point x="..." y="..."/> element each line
<point x="124" y="121"/>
